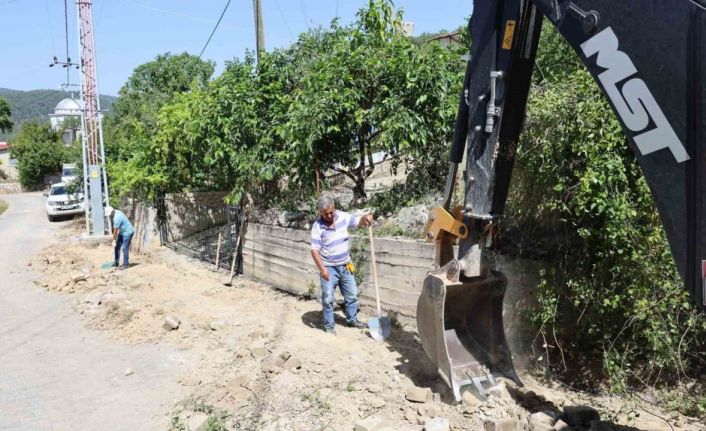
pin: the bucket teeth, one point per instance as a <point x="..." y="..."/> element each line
<point x="460" y="326"/>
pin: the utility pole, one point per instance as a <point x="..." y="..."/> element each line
<point x="259" y="28"/>
<point x="95" y="181"/>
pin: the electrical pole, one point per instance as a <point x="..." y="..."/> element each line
<point x="94" y="176"/>
<point x="259" y="28"/>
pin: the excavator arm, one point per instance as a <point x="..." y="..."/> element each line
<point x="648" y="57"/>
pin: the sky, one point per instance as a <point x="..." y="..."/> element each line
<point x="131" y="32"/>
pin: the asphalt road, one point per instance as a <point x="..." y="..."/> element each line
<point x="55" y="374"/>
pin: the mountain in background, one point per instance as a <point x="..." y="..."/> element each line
<point x="38" y="104"/>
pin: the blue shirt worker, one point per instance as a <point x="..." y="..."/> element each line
<point x="330" y="250"/>
<point x="122" y="235"/>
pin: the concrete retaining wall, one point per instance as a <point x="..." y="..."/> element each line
<point x="281" y="257"/>
<point x="190" y="213"/>
<point x="186" y="214"/>
<point x="144" y="220"/>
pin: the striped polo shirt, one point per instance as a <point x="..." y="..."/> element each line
<point x="332" y="241"/>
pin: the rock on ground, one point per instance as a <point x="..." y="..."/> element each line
<point x="560" y="425"/>
<point x="437" y="424"/>
<point x="542" y="418"/>
<point x="412" y="219"/>
<point x="171" y="322"/>
<point x="197" y="422"/>
<point x="419" y="395"/>
<point x="502" y="425"/>
<point x="371" y="424"/>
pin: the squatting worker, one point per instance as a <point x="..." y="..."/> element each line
<point x="329" y="248"/>
<point x="122" y="235"/>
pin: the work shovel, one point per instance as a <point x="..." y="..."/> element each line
<point x="380" y="326"/>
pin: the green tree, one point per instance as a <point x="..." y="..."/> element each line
<point x="39" y="152"/>
<point x="130" y="131"/>
<point x="329" y="101"/>
<point x="226" y="136"/>
<point x="155" y="83"/>
<point x="367" y="88"/>
<point x="6" y="123"/>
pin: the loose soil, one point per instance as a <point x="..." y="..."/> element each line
<point x="266" y="364"/>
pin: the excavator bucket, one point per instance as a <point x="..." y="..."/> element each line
<point x="460" y="325"/>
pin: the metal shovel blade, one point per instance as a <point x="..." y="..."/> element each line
<point x="379" y="328"/>
<point x="460" y="326"/>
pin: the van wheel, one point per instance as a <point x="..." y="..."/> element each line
<point x="51" y="218"/>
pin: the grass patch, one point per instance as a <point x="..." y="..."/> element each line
<point x="177" y="424"/>
<point x="689" y="403"/>
<point x="3" y="206"/>
<point x="310" y="289"/>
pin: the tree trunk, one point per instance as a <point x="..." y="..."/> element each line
<point x="359" y="188"/>
<point x="318" y="176"/>
<point x="361" y="172"/>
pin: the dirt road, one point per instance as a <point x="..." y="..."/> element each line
<point x="247" y="356"/>
<point x="55" y="373"/>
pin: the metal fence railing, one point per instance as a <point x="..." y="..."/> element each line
<point x="196" y="228"/>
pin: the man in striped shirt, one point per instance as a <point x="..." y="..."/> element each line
<point x="329" y="248"/>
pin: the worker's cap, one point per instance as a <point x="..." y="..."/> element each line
<point x="108" y="209"/>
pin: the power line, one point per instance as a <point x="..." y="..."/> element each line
<point x="100" y="12"/>
<point x="43" y="97"/>
<point x="215" y="28"/>
<point x="302" y="6"/>
<point x="171" y="12"/>
<point x="25" y="72"/>
<point x="284" y="19"/>
<point x="51" y="29"/>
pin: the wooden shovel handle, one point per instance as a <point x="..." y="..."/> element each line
<point x="232" y="264"/>
<point x="375" y="270"/>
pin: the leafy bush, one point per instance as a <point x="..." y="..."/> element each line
<point x="611" y="304"/>
<point x="39" y="152"/>
<point x="132" y="160"/>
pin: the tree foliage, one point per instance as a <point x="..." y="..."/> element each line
<point x="39" y="151"/>
<point x="368" y="88"/>
<point x="327" y="102"/>
<point x="130" y="131"/>
<point x="155" y="83"/>
<point x="6" y="122"/>
<point x="151" y="86"/>
<point x="611" y="303"/>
